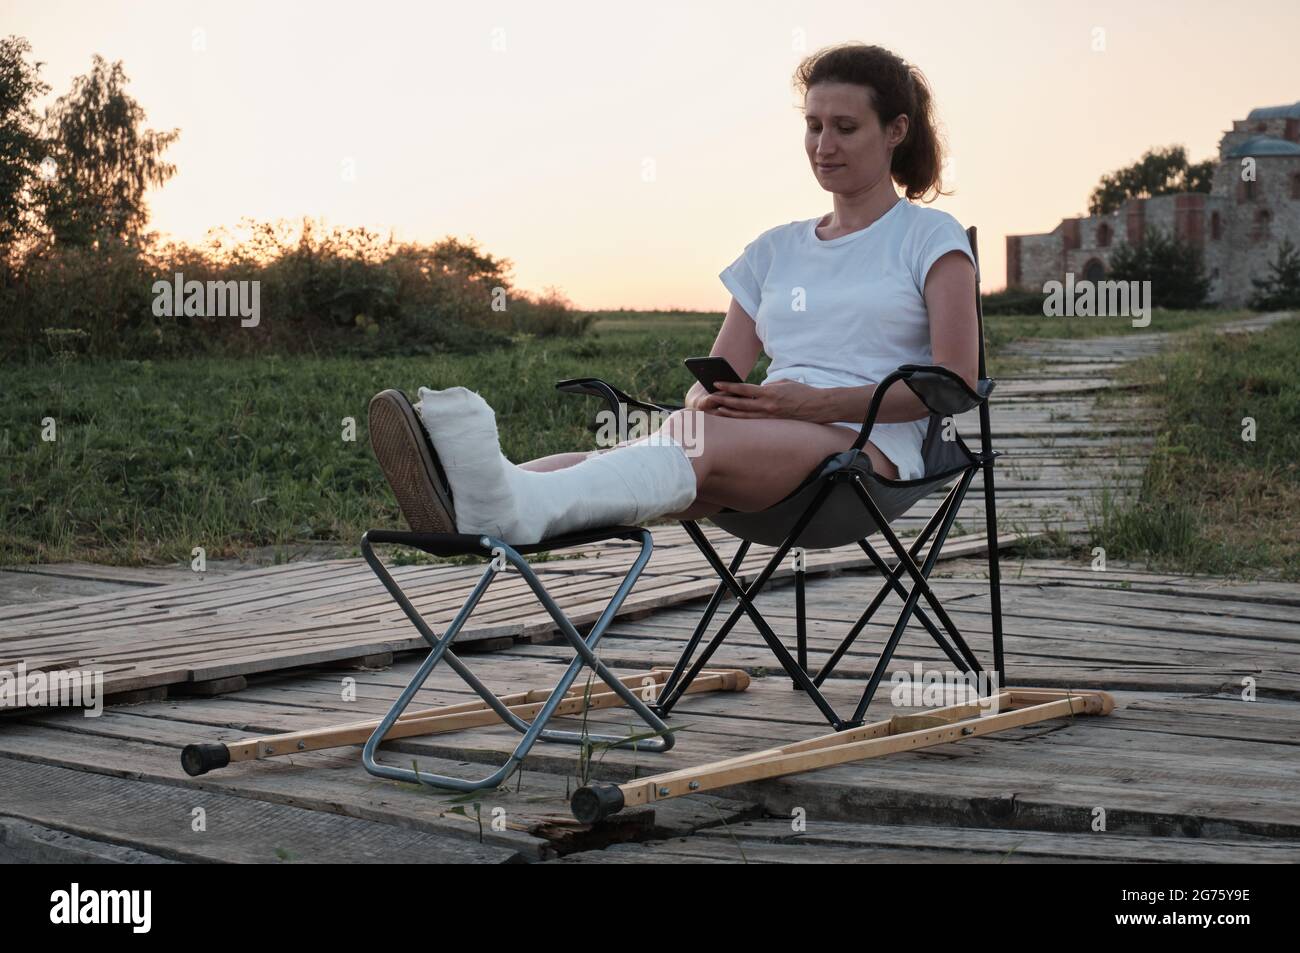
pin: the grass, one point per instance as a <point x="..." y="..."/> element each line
<point x="1211" y="501"/>
<point x="1001" y="330"/>
<point x="154" y="458"/>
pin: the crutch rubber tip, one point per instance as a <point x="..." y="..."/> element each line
<point x="200" y="759"/>
<point x="595" y="802"/>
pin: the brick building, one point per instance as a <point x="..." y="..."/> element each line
<point x="1238" y="224"/>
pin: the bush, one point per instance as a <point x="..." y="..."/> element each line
<point x="1014" y="301"/>
<point x="1281" y="289"/>
<point x="1175" y="269"/>
<point x="320" y="292"/>
<point x="550" y="314"/>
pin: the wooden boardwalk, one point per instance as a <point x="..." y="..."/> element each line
<point x="208" y="637"/>
<point x="1186" y="769"/>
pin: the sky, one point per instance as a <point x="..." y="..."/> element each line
<point x="626" y="152"/>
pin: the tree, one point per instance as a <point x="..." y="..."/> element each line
<point x="1281" y="289"/>
<point x="1175" y="269"/>
<point x="1158" y="172"/>
<point x="105" y="160"/>
<point x="20" y="144"/>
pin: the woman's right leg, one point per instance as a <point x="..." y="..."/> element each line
<point x="749" y="464"/>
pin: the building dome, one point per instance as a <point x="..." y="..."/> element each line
<point x="1275" y="112"/>
<point x="1264" y="146"/>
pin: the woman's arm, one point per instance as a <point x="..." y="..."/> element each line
<point x="954" y="343"/>
<point x="738" y="342"/>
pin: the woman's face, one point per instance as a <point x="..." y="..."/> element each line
<point x="847" y="147"/>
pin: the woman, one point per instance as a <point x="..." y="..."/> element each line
<point x="837" y="302"/>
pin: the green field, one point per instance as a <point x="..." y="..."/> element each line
<point x="152" y="459"/>
<point x="1212" y="501"/>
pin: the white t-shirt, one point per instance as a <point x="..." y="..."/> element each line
<point x="848" y="311"/>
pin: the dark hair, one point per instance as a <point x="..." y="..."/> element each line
<point x="894" y="87"/>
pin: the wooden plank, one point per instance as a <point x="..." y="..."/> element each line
<point x="995" y="844"/>
<point x="161" y="819"/>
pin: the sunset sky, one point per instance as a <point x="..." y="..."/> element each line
<point x="530" y="127"/>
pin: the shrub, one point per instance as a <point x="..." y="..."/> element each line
<point x="1175" y="269"/>
<point x="320" y="291"/>
<point x="1280" y="290"/>
<point x="1014" y="301"/>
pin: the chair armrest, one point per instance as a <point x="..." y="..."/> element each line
<point x="612" y="396"/>
<point x="942" y="390"/>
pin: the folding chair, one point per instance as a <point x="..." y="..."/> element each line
<point x="527" y="712"/>
<point x="844" y="501"/>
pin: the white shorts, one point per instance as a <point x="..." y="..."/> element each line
<point x="901" y="443"/>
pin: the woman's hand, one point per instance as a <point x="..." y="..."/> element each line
<point x="697" y="398"/>
<point x="783" y="398"/>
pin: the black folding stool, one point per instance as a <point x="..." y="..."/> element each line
<point x="843" y="501"/>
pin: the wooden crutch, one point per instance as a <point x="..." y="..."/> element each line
<point x="199" y="759"/>
<point x="1014" y="707"/>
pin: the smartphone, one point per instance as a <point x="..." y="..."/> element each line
<point x="709" y="370"/>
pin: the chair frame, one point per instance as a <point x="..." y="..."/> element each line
<point x="955" y="393"/>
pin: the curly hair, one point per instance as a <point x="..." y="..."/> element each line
<point x="894" y="88"/>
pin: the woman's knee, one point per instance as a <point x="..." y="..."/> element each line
<point x="690" y="428"/>
<point x="683" y="425"/>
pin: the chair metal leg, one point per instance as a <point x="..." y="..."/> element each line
<point x="536" y="729"/>
<point x="919" y="575"/>
<point x="995" y="579"/>
<point x="670" y="698"/>
<point x="891" y="582"/>
<point x="744" y="599"/>
<point x="800" y="623"/>
<point x="960" y="655"/>
<point x="701" y="627"/>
